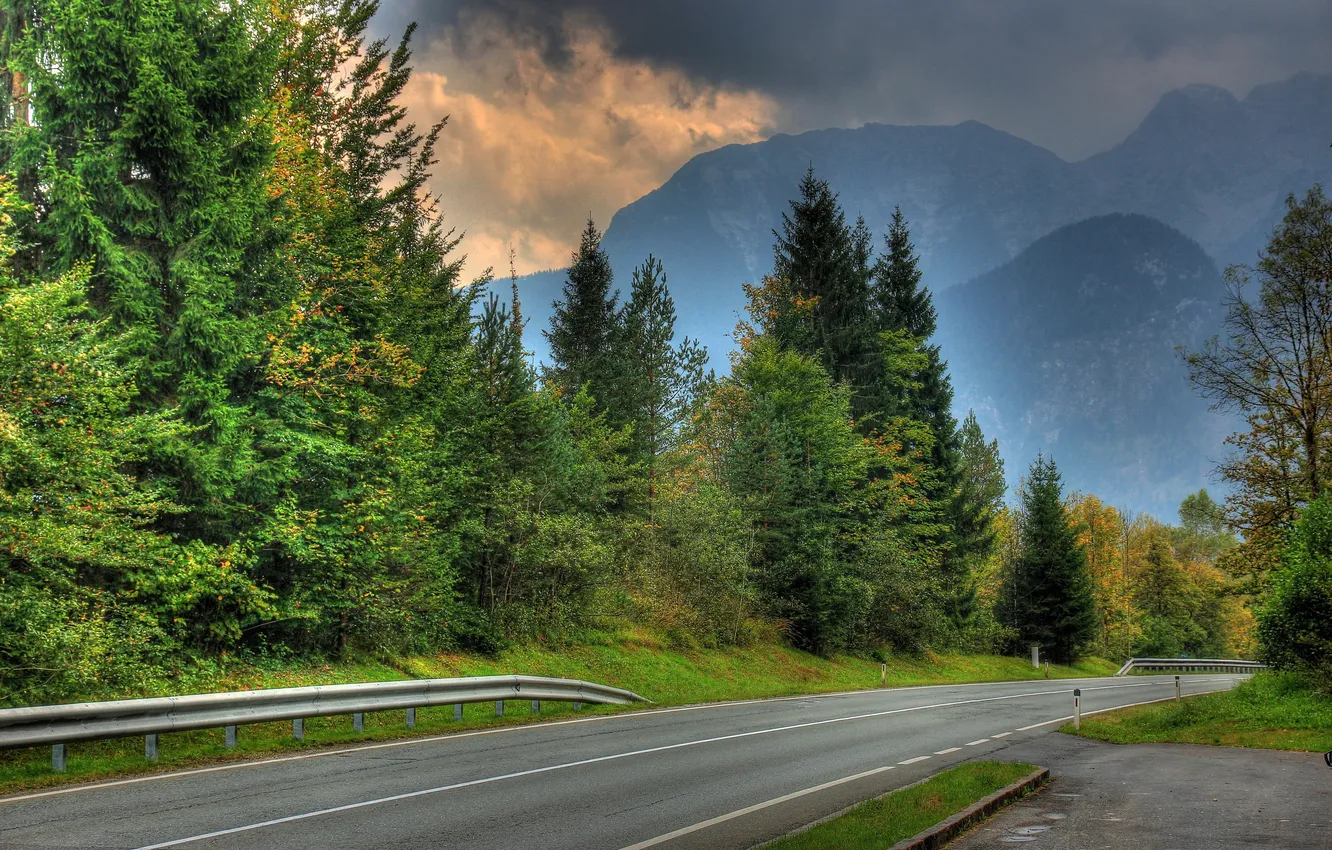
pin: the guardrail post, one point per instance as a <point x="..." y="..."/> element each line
<point x="411" y="718"/>
<point x="298" y="728"/>
<point x="231" y="737"/>
<point x="1176" y="689"/>
<point x="457" y="712"/>
<point x="536" y="706"/>
<point x="150" y="747"/>
<point x="358" y="721"/>
<point x="499" y="708"/>
<point x="58" y="758"/>
<point x="1077" y="708"/>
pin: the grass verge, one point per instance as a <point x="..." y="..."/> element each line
<point x="636" y="661"/>
<point x="882" y="822"/>
<point x="1277" y="711"/>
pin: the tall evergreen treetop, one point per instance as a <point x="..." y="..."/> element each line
<point x="903" y="304"/>
<point x="1047" y="596"/>
<point x="660" y="379"/>
<point x="582" y="331"/>
<point x="981" y="488"/>
<point x="822" y="261"/>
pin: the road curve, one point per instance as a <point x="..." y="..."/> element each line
<point x="720" y="775"/>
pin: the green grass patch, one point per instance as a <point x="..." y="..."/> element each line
<point x="880" y="823"/>
<point x="1276" y="711"/>
<point x="637" y="661"/>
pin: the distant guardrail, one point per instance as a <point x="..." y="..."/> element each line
<point x="1190" y="665"/>
<point x="60" y="725"/>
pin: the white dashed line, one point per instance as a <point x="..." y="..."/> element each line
<point x="914" y="760"/>
<point x="1002" y="735"/>
<point x="947" y="751"/>
<point x="978" y="743"/>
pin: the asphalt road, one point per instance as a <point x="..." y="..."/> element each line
<point x="717" y="776"/>
<point x="1164" y="797"/>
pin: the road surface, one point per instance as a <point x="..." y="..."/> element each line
<point x="717" y="776"/>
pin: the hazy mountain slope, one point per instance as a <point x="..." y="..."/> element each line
<point x="1070" y="349"/>
<point x="1218" y="168"/>
<point x="1214" y="167"/>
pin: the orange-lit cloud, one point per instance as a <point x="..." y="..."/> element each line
<point x="535" y="144"/>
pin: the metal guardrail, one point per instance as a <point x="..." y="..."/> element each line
<point x="59" y="725"/>
<point x="1190" y="665"/>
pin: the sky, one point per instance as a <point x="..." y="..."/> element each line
<point x="561" y="109"/>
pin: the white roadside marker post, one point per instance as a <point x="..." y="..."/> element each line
<point x="1077" y="708"/>
<point x="883" y="675"/>
<point x="1177" y="695"/>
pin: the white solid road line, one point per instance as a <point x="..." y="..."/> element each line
<point x="448" y="736"/>
<point x="763" y="805"/>
<point x="704" y="824"/>
<point x="947" y="751"/>
<point x="613" y="757"/>
<point x="1098" y="711"/>
<point x="662" y="839"/>
<point x="914" y="760"/>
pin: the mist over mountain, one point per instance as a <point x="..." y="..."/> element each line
<point x="1083" y="276"/>
<point x="1215" y="167"/>
<point x="1069" y="349"/>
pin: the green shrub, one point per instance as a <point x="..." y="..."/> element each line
<point x="1295" y="624"/>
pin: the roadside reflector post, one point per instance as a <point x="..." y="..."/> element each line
<point x="883" y="675"/>
<point x="150" y="747"/>
<point x="536" y="706"/>
<point x="457" y="712"/>
<point x="499" y="708"/>
<point x="231" y="737"/>
<point x="298" y="728"/>
<point x="1177" y="695"/>
<point x="1036" y="657"/>
<point x="58" y="758"/>
<point x="411" y="718"/>
<point x="1077" y="708"/>
<point x="358" y="721"/>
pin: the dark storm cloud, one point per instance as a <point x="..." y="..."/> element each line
<point x="1074" y="75"/>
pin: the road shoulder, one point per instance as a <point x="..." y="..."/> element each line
<point x="1163" y="797"/>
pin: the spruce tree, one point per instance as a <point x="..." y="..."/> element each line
<point x="583" y="328"/>
<point x="659" y="379"/>
<point x="981" y="487"/>
<point x="902" y="303"/>
<point x="823" y="263"/>
<point x="1047" y="594"/>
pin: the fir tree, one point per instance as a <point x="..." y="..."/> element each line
<point x="981" y="487"/>
<point x="902" y="303"/>
<point x="660" y="379"/>
<point x="582" y="330"/>
<point x="1047" y="598"/>
<point x="823" y="262"/>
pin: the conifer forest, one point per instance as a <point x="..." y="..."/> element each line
<point x="253" y="403"/>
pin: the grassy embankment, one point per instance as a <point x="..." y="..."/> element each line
<point x="634" y="661"/>
<point x="1278" y="711"/>
<point x="883" y="822"/>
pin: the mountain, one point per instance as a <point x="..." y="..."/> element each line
<point x="1069" y="349"/>
<point x="1063" y="287"/>
<point x="1208" y="164"/>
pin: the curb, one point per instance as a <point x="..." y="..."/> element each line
<point x="941" y="833"/>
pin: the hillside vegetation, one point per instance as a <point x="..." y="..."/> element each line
<point x="254" y="410"/>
